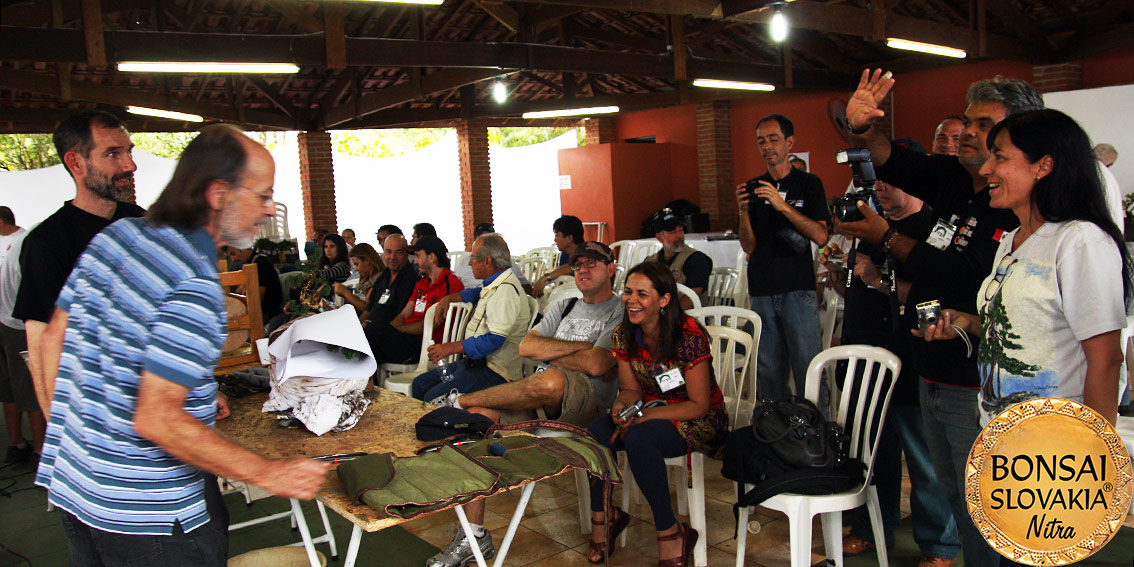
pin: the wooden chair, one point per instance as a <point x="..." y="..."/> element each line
<point x="251" y="322"/>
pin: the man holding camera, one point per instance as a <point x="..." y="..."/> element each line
<point x="781" y="213"/>
<point x="947" y="266"/>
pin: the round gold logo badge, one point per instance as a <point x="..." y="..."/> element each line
<point x="1048" y="482"/>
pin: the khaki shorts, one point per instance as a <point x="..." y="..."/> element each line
<point x="580" y="404"/>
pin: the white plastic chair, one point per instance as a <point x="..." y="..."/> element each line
<point x="829" y="315"/>
<point x="456" y="255"/>
<point x="562" y="292"/>
<point x="455" y="320"/>
<point x="731" y="371"/>
<point x="533" y="268"/>
<point x="735" y="318"/>
<point x="619" y="278"/>
<point x="686" y="291"/>
<point x="869" y="402"/>
<point x="722" y="287"/>
<point x="643" y="252"/>
<point x="549" y="253"/>
<point x="623" y="251"/>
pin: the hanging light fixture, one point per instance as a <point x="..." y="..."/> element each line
<point x="571" y="112"/>
<point x="739" y="85"/>
<point x="499" y="92"/>
<point x="204" y="67"/>
<point x="164" y="114"/>
<point x="779" y="24"/>
<point x="925" y="47"/>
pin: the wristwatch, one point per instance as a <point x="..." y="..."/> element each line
<point x="853" y="130"/>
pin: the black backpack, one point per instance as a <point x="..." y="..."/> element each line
<point x="789" y="448"/>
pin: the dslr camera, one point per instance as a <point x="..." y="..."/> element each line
<point x="862" y="171"/>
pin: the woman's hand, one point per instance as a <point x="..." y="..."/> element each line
<point x="943" y="330"/>
<point x="340" y="289"/>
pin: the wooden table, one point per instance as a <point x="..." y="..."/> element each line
<point x="386" y="427"/>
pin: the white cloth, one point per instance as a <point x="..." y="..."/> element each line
<point x="10" y="276"/>
<point x="1113" y="196"/>
<point x="1065" y="286"/>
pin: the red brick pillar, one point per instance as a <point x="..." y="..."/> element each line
<point x="599" y="130"/>
<point x="714" y="163"/>
<point x="1058" y="77"/>
<point x="476" y="181"/>
<point x="317" y="175"/>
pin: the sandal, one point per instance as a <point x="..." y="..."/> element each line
<point x="617" y="526"/>
<point x="689" y="541"/>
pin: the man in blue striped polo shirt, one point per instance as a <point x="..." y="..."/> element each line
<point x="130" y="352"/>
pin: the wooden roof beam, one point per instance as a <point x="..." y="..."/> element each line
<point x="402" y="93"/>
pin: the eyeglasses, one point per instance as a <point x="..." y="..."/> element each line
<point x="998" y="277"/>
<point x="265" y="198"/>
<point x="588" y="264"/>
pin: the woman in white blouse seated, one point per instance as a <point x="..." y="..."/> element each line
<point x="1051" y="312"/>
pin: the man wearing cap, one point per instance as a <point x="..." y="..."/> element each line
<point x="463" y="269"/>
<point x="399" y="340"/>
<point x="688" y="266"/>
<point x="497" y="324"/>
<point x="573" y="383"/>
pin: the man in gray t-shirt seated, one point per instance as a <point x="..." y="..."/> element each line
<point x="574" y="380"/>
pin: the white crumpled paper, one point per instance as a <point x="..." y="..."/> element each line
<point x="322" y="389"/>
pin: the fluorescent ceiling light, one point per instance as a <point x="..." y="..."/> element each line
<point x="164" y="114"/>
<point x="571" y="112"/>
<point x="779" y="26"/>
<point x="499" y="92"/>
<point x="204" y="67"/>
<point x="433" y="2"/>
<point x="718" y="84"/>
<point x="925" y="47"/>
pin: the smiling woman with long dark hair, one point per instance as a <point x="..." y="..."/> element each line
<point x="663" y="355"/>
<point x="1051" y="312"/>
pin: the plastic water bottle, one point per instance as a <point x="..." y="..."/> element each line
<point x="446" y="372"/>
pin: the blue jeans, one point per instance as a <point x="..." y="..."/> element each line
<point x="790" y="338"/>
<point x="952" y="423"/>
<point x="934" y="529"/>
<point x="647" y="446"/>
<point x="206" y="546"/>
<point x="429" y="385"/>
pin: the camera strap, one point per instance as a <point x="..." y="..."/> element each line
<point x="852" y="255"/>
<point x="895" y="304"/>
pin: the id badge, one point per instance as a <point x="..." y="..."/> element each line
<point x="941" y="235"/>
<point x="670" y="379"/>
<point x="385" y="297"/>
<point x="419" y="305"/>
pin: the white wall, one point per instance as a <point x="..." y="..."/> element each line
<point x="1105" y="113"/>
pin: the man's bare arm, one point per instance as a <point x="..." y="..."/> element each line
<point x="544" y="349"/>
<point x="595" y="361"/>
<point x="747" y="236"/>
<point x="161" y="418"/>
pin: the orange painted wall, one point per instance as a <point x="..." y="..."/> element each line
<point x="923" y="98"/>
<point x="676" y="126"/>
<point x="814" y="133"/>
<point x="619" y="184"/>
<point x="1115" y="67"/>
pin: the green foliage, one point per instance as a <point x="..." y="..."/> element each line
<point x="19" y="152"/>
<point x="163" y="144"/>
<point x="522" y="136"/>
<point x="349" y="354"/>
<point x="384" y="143"/>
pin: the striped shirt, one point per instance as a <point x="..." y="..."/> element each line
<point x="140" y="298"/>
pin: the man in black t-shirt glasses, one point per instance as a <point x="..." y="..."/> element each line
<point x="96" y="150"/>
<point x="779" y="219"/>
<point x="948" y="265"/>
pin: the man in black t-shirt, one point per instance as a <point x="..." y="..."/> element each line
<point x="948" y="265"/>
<point x="394" y="286"/>
<point x="785" y="211"/>
<point x="96" y="150"/>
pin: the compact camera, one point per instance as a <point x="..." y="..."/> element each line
<point x="928" y="313"/>
<point x="631" y="411"/>
<point x="862" y="172"/>
<point x="753" y="184"/>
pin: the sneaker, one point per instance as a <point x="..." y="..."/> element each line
<point x="459" y="553"/>
<point x="448" y="400"/>
<point x="19" y="454"/>
<point x="927" y="561"/>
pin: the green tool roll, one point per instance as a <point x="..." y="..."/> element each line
<point x="411" y="486"/>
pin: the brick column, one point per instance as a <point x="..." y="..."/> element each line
<point x="1058" y="77"/>
<point x="599" y="130"/>
<point x="476" y="181"/>
<point x="714" y="163"/>
<point x="317" y="175"/>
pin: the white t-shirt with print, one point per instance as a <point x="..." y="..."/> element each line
<point x="1063" y="285"/>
